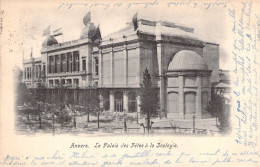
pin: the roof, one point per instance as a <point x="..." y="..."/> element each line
<point x="151" y="28"/>
<point x="128" y="30"/>
<point x="187" y="60"/>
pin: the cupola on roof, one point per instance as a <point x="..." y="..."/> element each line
<point x="187" y="60"/>
<point x="49" y="41"/>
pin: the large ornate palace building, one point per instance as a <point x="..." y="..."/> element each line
<point x="182" y="66"/>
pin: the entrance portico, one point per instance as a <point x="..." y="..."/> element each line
<point x="121" y="100"/>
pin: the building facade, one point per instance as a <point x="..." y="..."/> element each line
<point x="181" y="64"/>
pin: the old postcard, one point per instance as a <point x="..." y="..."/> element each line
<point x="129" y="83"/>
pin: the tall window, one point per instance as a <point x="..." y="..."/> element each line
<point x="27" y="72"/>
<point x="44" y="69"/>
<point x="49" y="65"/>
<point x="30" y="71"/>
<point x="69" y="61"/>
<point x="84" y="65"/>
<point x="76" y="61"/>
<point x="39" y="71"/>
<point x="52" y="64"/>
<point x="96" y="65"/>
<point x="57" y="63"/>
<point x="63" y="63"/>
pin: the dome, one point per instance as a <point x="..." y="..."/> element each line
<point x="50" y="40"/>
<point x="187" y="60"/>
<point x="88" y="31"/>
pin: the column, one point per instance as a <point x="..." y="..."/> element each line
<point x="125" y="65"/>
<point x="112" y="100"/>
<point x="138" y="102"/>
<point x="100" y="68"/>
<point x="198" y="97"/>
<point x="125" y="100"/>
<point x="181" y="95"/>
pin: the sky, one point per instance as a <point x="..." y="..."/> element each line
<point x="29" y="21"/>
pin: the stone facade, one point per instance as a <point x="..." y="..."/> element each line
<point x="115" y="66"/>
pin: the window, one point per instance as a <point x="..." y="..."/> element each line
<point x="39" y="70"/>
<point x="84" y="65"/>
<point x="63" y="63"/>
<point x="27" y="72"/>
<point x="63" y="81"/>
<point x="51" y="64"/>
<point x="44" y="69"/>
<point x="69" y="82"/>
<point x="57" y="64"/>
<point x="75" y="82"/>
<point x="50" y="83"/>
<point x="76" y="61"/>
<point x="57" y="82"/>
<point x="96" y="65"/>
<point x="30" y="71"/>
<point x="69" y="62"/>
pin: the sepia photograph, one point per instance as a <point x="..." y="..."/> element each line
<point x="145" y="75"/>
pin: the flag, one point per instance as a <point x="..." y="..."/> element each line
<point x="57" y="32"/>
<point x="47" y="31"/>
<point x="134" y="19"/>
<point x="97" y="34"/>
<point x="87" y="18"/>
